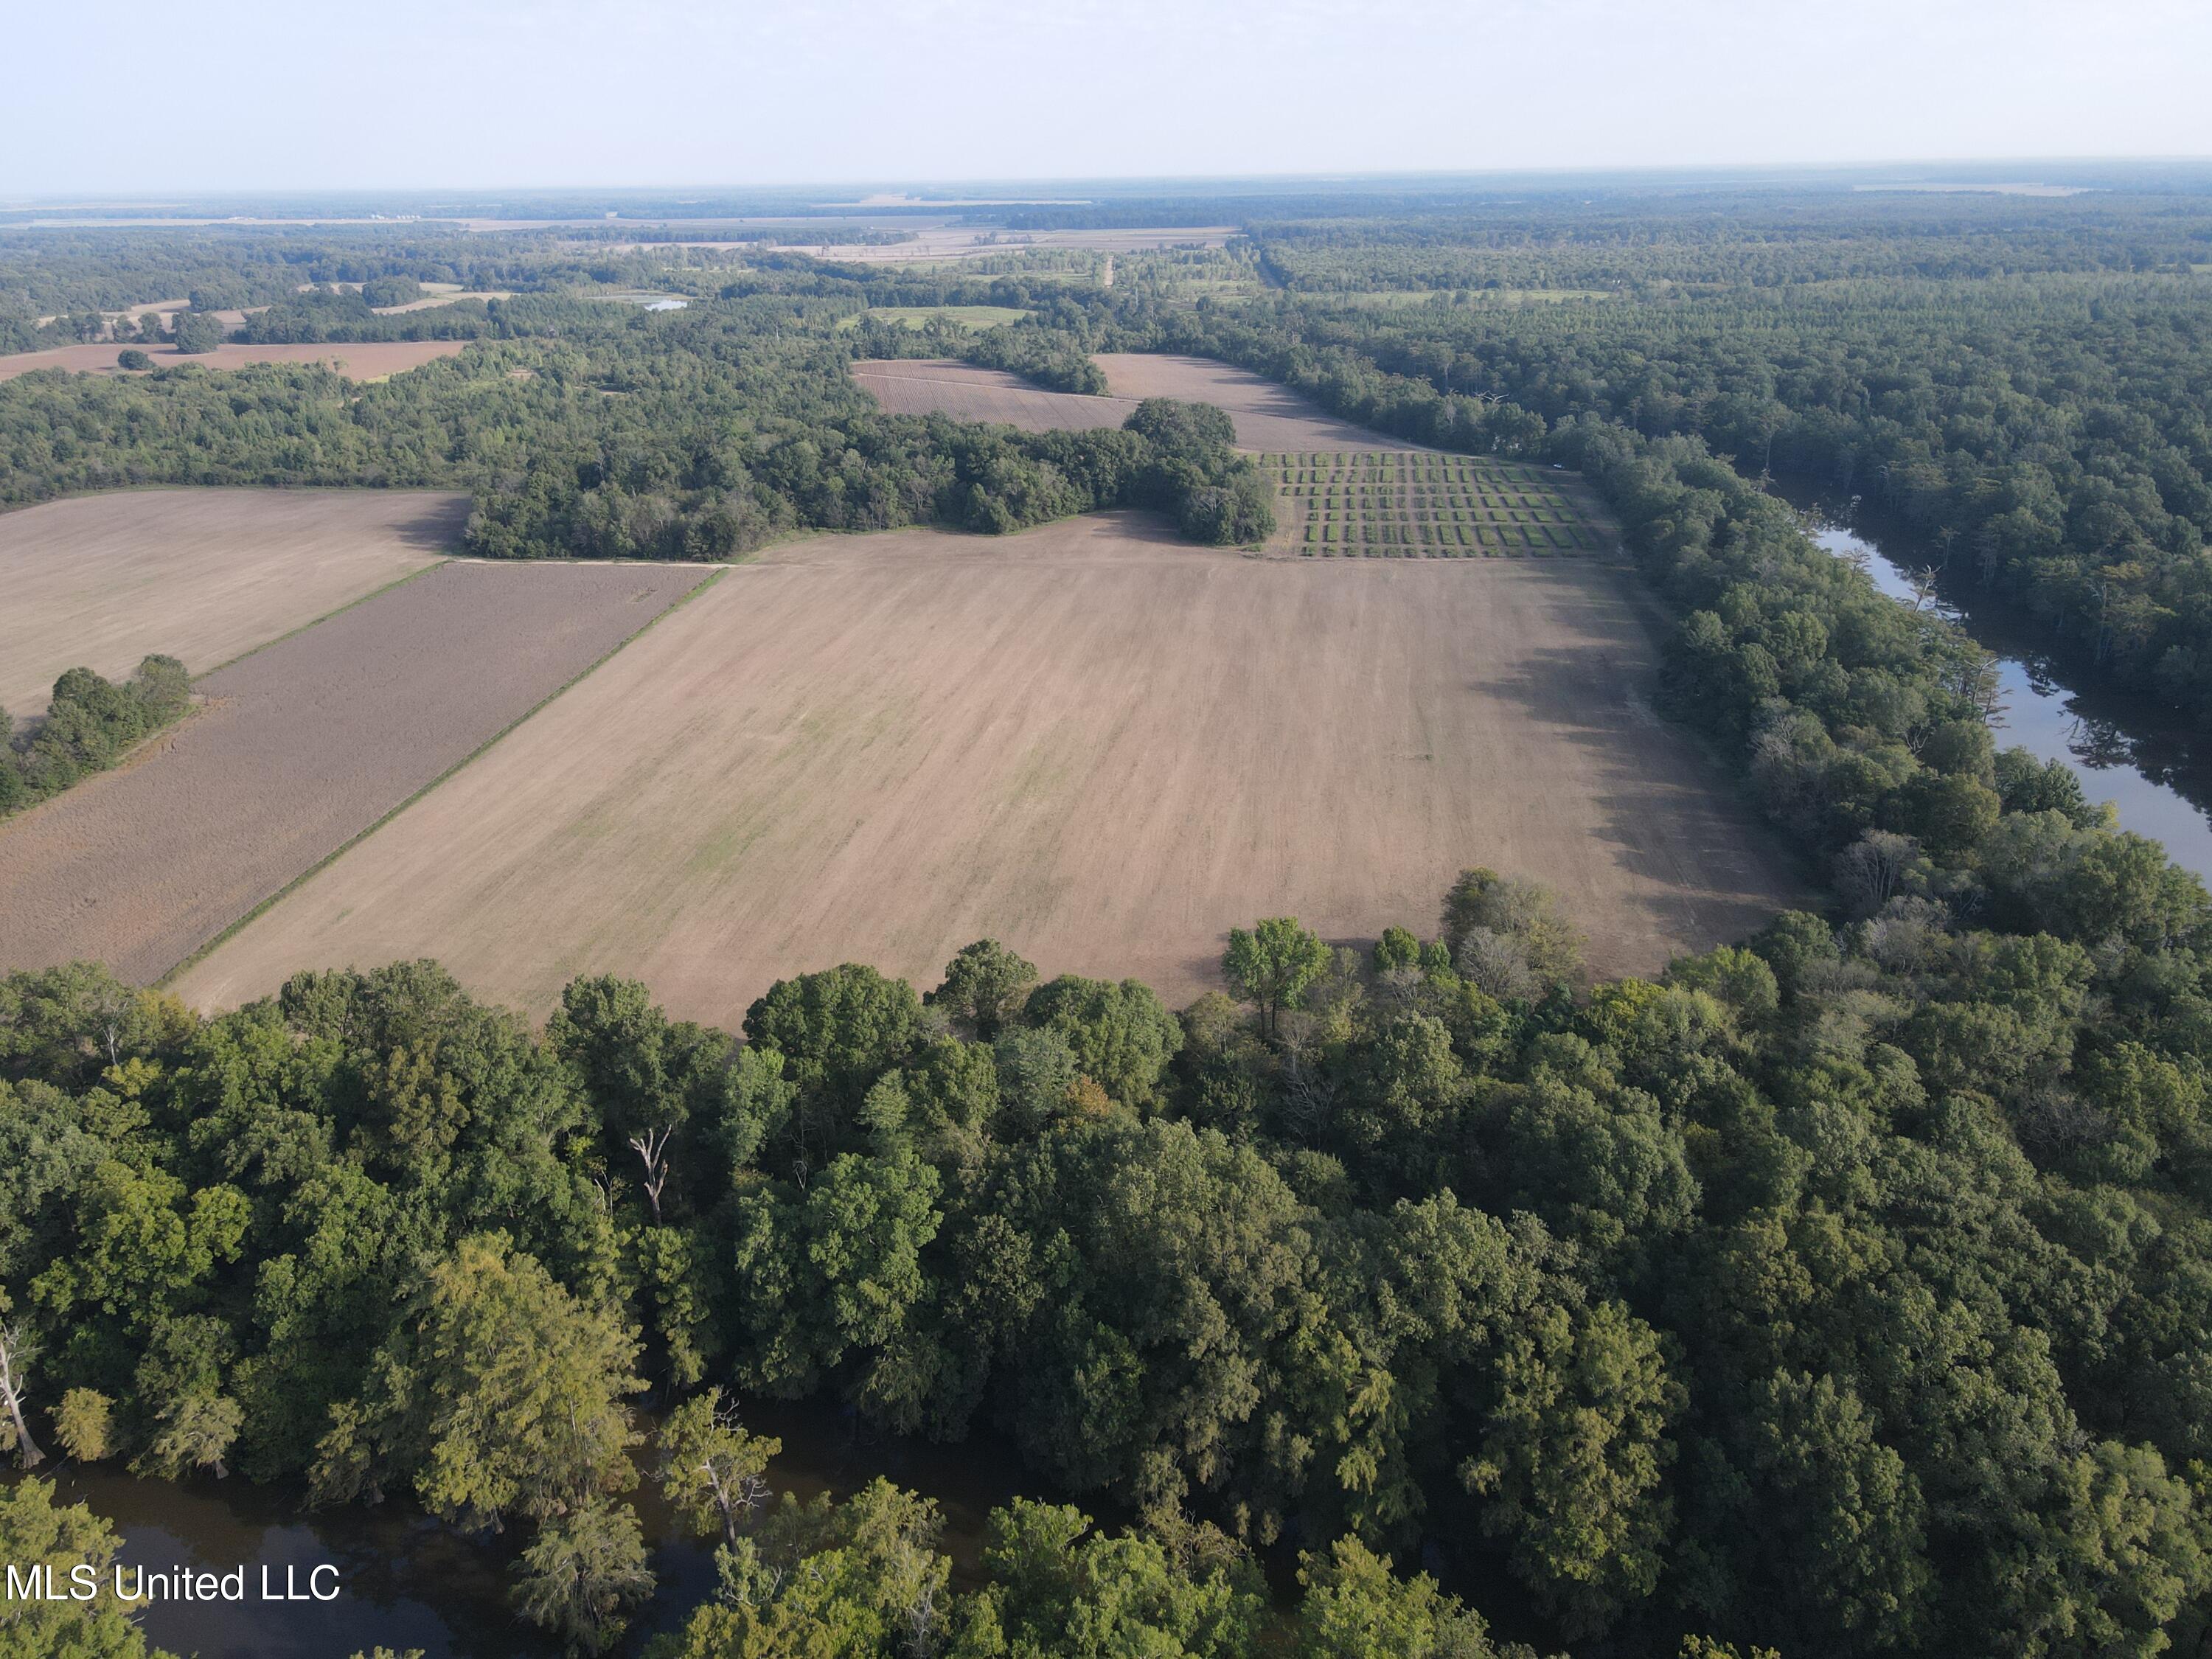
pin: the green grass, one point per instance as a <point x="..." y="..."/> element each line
<point x="1421" y="506"/>
<point x="977" y="317"/>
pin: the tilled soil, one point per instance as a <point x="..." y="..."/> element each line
<point x="301" y="747"/>
<point x="368" y="359"/>
<point x="203" y="575"/>
<point x="930" y="385"/>
<point x="1268" y="417"/>
<point x="1101" y="746"/>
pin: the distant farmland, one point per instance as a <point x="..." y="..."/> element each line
<point x="305" y="744"/>
<point x="1100" y="744"/>
<point x="371" y="360"/>
<point x="931" y="385"/>
<point x="199" y="574"/>
<point x="968" y="316"/>
<point x="1267" y="416"/>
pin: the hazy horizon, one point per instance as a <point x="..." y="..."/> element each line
<point x="572" y="94"/>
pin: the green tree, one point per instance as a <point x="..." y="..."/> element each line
<point x="34" y="1532"/>
<point x="1062" y="1587"/>
<point x="712" y="1471"/>
<point x="1121" y="1035"/>
<point x="1272" y="964"/>
<point x="835" y="1273"/>
<point x="1355" y="1607"/>
<point x="582" y="1572"/>
<point x="1571" y="1453"/>
<point x="985" y="985"/>
<point x="197" y="332"/>
<point x="504" y="1396"/>
<point x="84" y="1424"/>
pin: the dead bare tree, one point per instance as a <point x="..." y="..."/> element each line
<point x="17" y="1352"/>
<point x="651" y="1146"/>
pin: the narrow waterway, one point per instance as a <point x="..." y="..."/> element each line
<point x="2148" y="759"/>
<point x="408" y="1582"/>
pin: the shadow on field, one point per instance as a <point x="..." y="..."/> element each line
<point x="1666" y="812"/>
<point x="438" y="528"/>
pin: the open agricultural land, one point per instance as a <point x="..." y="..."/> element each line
<point x="1412" y="504"/>
<point x="435" y="294"/>
<point x="203" y="575"/>
<point x="360" y="360"/>
<point x="917" y="316"/>
<point x="303" y="745"/>
<point x="1268" y="417"/>
<point x="967" y="391"/>
<point x="1091" y="741"/>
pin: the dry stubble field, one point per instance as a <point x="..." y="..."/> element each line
<point x="966" y="392"/>
<point x="1267" y="416"/>
<point x="202" y="576"/>
<point x="305" y="744"/>
<point x="369" y="360"/>
<point x="1094" y="742"/>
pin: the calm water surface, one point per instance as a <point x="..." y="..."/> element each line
<point x="410" y="1583"/>
<point x="2146" y="757"/>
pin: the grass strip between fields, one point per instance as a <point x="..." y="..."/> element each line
<point x="351" y="841"/>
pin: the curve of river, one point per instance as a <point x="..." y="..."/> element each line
<point x="2145" y="757"/>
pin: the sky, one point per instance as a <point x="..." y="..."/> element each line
<point x="403" y="93"/>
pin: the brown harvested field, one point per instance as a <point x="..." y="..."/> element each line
<point x="1100" y="745"/>
<point x="440" y="293"/>
<point x="372" y="360"/>
<point x="304" y="745"/>
<point x="203" y="575"/>
<point x="1268" y="417"/>
<point x="938" y="386"/>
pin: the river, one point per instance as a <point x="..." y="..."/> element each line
<point x="410" y="1583"/>
<point x="2144" y="756"/>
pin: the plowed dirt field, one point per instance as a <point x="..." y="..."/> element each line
<point x="304" y="745"/>
<point x="1102" y="746"/>
<point x="203" y="575"/>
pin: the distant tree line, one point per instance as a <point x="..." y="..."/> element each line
<point x="2049" y="437"/>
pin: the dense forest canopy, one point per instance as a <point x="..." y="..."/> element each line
<point x="1846" y="1290"/>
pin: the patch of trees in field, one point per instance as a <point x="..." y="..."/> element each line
<point x="344" y="315"/>
<point x="89" y="725"/>
<point x="598" y="431"/>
